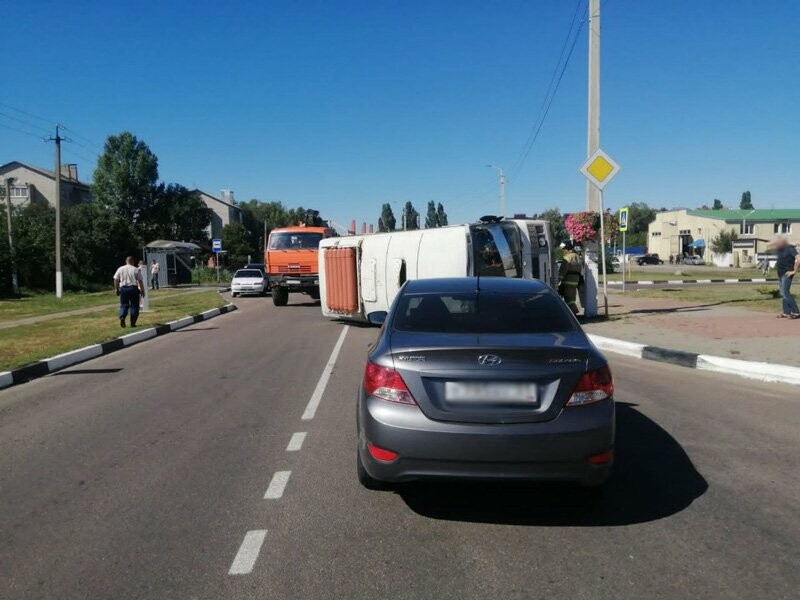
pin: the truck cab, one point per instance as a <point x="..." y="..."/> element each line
<point x="292" y="261"/>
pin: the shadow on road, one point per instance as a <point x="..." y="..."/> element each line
<point x="88" y="372"/>
<point x="653" y="478"/>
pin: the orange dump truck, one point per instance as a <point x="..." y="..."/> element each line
<point x="292" y="259"/>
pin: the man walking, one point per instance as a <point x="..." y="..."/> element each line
<point x="128" y="285"/>
<point x="570" y="276"/>
<point x="787" y="264"/>
<point x="154" y="269"/>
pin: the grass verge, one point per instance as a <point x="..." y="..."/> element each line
<point x="34" y="304"/>
<point x="28" y="343"/>
<point x="740" y="296"/>
<point x="643" y="274"/>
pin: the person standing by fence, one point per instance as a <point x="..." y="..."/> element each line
<point x="128" y="285"/>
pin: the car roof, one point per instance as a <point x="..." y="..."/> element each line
<point x="463" y="285"/>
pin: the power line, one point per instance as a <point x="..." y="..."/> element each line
<point x="36" y="135"/>
<point x="74" y="133"/>
<point x="555" y="82"/>
<point x="24" y="122"/>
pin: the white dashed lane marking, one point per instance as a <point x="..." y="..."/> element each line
<point x="277" y="485"/>
<point x="246" y="557"/>
<point x="311" y="408"/>
<point x="296" y="442"/>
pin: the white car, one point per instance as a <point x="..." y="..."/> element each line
<point x="694" y="260"/>
<point x="248" y="281"/>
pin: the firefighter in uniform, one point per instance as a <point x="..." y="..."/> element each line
<point x="570" y="276"/>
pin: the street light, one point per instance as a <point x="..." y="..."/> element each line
<point x="502" y="177"/>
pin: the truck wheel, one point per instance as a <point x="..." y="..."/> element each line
<point x="280" y="296"/>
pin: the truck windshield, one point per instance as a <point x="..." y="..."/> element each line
<point x="496" y="250"/>
<point x="294" y="241"/>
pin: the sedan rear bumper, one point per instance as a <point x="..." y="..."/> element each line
<point x="555" y="450"/>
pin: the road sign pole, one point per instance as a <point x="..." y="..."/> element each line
<point x="603" y="252"/>
<point x="622" y="262"/>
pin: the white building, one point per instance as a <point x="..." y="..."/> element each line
<point x="34" y="184"/>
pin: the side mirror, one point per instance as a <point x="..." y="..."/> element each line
<point x="377" y="317"/>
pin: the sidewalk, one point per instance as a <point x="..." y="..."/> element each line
<point x="724" y="331"/>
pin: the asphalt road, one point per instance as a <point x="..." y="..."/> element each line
<point x="143" y="474"/>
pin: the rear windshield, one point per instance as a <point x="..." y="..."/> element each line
<point x="248" y="273"/>
<point x="482" y="313"/>
<point x="294" y="241"/>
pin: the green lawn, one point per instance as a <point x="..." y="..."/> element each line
<point x="33" y="304"/>
<point x="644" y="274"/>
<point x="28" y="343"/>
<point x="741" y="296"/>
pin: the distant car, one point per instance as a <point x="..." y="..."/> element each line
<point x="261" y="267"/>
<point x="649" y="259"/>
<point x="248" y="281"/>
<point x="694" y="260"/>
<point x="488" y="378"/>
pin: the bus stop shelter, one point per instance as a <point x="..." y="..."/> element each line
<point x="175" y="261"/>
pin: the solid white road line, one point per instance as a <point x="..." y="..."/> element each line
<point x="277" y="485"/>
<point x="296" y="442"/>
<point x="311" y="408"/>
<point x="247" y="555"/>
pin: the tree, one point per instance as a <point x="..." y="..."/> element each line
<point x="723" y="243"/>
<point x="717" y="204"/>
<point x="410" y="216"/>
<point x="236" y="241"/>
<point x="431" y="219"/>
<point x="125" y="178"/>
<point x="640" y="215"/>
<point x="746" y="202"/>
<point x="387" y="221"/>
<point x="556" y="220"/>
<point x="176" y="214"/>
<point x="441" y="215"/>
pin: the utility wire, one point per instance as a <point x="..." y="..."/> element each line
<point x="36" y="135"/>
<point x="24" y="122"/>
<point x="555" y="82"/>
<point x="74" y="133"/>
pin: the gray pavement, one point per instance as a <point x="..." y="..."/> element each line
<point x="138" y="475"/>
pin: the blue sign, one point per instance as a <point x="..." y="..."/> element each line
<point x="216" y="245"/>
<point x="623" y="219"/>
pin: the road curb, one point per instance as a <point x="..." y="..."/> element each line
<point x="748" y="369"/>
<point x="683" y="281"/>
<point x="50" y="365"/>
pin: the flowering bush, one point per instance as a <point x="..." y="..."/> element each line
<point x="585" y="226"/>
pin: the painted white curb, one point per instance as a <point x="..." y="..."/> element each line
<point x="750" y="369"/>
<point x="617" y="346"/>
<point x="181" y="323"/>
<point x="210" y="313"/>
<point x="75" y="356"/>
<point x="139" y="336"/>
<point x="6" y="379"/>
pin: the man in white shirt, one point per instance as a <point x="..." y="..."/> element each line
<point x="154" y="269"/>
<point x="128" y="285"/>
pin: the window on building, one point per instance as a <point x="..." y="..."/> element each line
<point x="19" y="191"/>
<point x="655" y="233"/>
<point x="686" y="232"/>
<point x="747" y="228"/>
<point x="782" y="228"/>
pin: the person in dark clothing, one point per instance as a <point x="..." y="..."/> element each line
<point x="128" y="285"/>
<point x="787" y="264"/>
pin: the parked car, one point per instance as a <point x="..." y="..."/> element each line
<point x="649" y="259"/>
<point x="693" y="260"/>
<point x="248" y="281"/>
<point x="488" y="378"/>
<point x="261" y="267"/>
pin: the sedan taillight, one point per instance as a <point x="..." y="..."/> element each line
<point x="386" y="384"/>
<point x="592" y="387"/>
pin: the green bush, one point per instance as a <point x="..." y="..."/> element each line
<point x="209" y="275"/>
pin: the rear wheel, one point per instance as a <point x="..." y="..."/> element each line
<point x="234" y="294"/>
<point x="367" y="480"/>
<point x="314" y="294"/>
<point x="280" y="296"/>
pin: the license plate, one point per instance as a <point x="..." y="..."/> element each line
<point x="501" y="392"/>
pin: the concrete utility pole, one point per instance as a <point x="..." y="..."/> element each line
<point x="593" y="132"/>
<point x="59" y="277"/>
<point x="502" y="179"/>
<point x="14" y="280"/>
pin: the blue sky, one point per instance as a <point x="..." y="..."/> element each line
<point x="342" y="106"/>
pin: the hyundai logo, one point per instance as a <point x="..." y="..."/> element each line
<point x="490" y="360"/>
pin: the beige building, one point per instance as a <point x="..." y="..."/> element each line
<point x="224" y="209"/>
<point x="681" y="232"/>
<point x="33" y="184"/>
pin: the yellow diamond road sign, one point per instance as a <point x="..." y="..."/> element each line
<point x="600" y="169"/>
